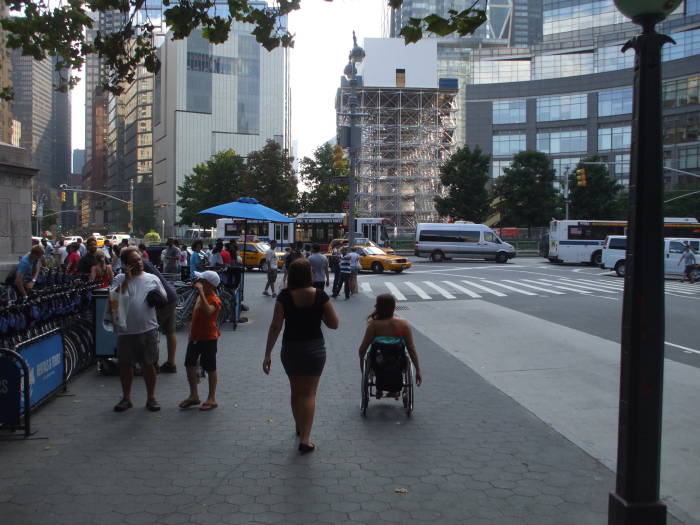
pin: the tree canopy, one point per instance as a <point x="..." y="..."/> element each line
<point x="42" y="29"/>
<point x="526" y="190"/>
<point x="598" y="198"/>
<point x="327" y="185"/>
<point x="464" y="176"/>
<point x="270" y="178"/>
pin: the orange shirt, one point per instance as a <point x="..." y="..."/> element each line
<point x="204" y="326"/>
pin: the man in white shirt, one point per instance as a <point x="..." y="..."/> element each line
<point x="271" y="260"/>
<point x="61" y="253"/>
<point x="355" y="267"/>
<point x="139" y="342"/>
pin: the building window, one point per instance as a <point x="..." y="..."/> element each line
<point x="562" y="141"/>
<point x="614" y="138"/>
<point x="566" y="107"/>
<point x="561" y="165"/>
<point x="615" y="102"/>
<point x="681" y="128"/>
<point x="687" y="45"/>
<point x="681" y="92"/>
<point x="689" y="159"/>
<point x="248" y="111"/>
<point x="499" y="166"/>
<point x="508" y="144"/>
<point x="622" y="166"/>
<point x="400" y="78"/>
<point x="509" y="112"/>
<point x="567" y="65"/>
<point x="609" y="58"/>
<point x="498" y="71"/>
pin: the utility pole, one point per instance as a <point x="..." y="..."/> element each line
<point x="566" y="192"/>
<point x="131" y="207"/>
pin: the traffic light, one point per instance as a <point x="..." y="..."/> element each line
<point x="338" y="158"/>
<point x="128" y="205"/>
<point x="63" y="196"/>
<point x="581" y="177"/>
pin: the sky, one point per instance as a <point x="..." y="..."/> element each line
<point x="323" y="39"/>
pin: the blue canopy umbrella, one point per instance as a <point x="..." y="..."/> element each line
<point x="246" y="208"/>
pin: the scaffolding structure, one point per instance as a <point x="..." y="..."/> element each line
<point x="406" y="134"/>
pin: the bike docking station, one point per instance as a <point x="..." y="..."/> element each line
<point x="44" y="341"/>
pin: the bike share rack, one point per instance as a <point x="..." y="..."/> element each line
<point x="14" y="384"/>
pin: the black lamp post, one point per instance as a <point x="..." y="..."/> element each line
<point x="636" y="497"/>
<point x="357" y="54"/>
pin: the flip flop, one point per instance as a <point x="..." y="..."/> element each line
<point x="187" y="403"/>
<point x="208" y="406"/>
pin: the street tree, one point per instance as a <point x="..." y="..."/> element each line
<point x="598" y="198"/>
<point x="42" y="29"/>
<point x="526" y="191"/>
<point x="270" y="178"/>
<point x="464" y="177"/>
<point x="327" y="185"/>
<point x="211" y="183"/>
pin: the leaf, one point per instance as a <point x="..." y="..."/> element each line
<point x="271" y="422"/>
<point x="401" y="490"/>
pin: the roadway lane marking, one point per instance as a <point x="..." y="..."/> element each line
<point x="614" y="286"/>
<point x="517" y="290"/>
<point x="577" y="290"/>
<point x="585" y="286"/>
<point x="464" y="290"/>
<point x="366" y="288"/>
<point x="548" y="290"/>
<point x="685" y="348"/>
<point x="484" y="288"/>
<point x="419" y="292"/>
<point x="440" y="290"/>
<point x="394" y="290"/>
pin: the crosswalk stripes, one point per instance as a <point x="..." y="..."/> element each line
<point x="532" y="287"/>
<point x="440" y="290"/>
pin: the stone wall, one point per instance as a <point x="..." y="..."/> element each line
<point x="16" y="172"/>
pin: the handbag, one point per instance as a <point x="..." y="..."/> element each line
<point x="114" y="319"/>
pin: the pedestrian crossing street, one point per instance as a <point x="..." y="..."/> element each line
<point x="480" y="288"/>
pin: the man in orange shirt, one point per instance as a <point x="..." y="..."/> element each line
<point x="204" y="333"/>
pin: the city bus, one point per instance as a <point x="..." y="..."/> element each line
<point x="578" y="241"/>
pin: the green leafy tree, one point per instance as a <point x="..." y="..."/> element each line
<point x="526" y="191"/>
<point x="270" y="178"/>
<point x="214" y="182"/>
<point x="597" y="199"/>
<point x="45" y="29"/>
<point x="464" y="176"/>
<point x="327" y="186"/>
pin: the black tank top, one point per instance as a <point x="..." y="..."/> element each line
<point x="302" y="323"/>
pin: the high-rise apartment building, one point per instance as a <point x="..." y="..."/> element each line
<point x="5" y="81"/>
<point x="78" y="160"/>
<point x="210" y="98"/>
<point x="570" y="93"/>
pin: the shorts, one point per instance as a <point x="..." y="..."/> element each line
<point x="138" y="348"/>
<point x="205" y="351"/>
<point x="688" y="268"/>
<point x="166" y="318"/>
<point x="271" y="276"/>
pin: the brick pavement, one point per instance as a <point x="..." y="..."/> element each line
<point x="469" y="454"/>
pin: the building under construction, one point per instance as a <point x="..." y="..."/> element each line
<point x="407" y="133"/>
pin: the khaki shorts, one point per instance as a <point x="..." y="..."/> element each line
<point x="138" y="348"/>
<point x="166" y="318"/>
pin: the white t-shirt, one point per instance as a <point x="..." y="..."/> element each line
<point x="140" y="317"/>
<point x="271" y="258"/>
<point x="354" y="260"/>
<point x="62" y="252"/>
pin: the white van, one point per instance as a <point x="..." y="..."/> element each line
<point x="673" y="249"/>
<point x="614" y="255"/>
<point x="460" y="239"/>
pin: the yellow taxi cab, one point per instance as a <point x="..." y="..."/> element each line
<point x="375" y="260"/>
<point x="364" y="242"/>
<point x="253" y="255"/>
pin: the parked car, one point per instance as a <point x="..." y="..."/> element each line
<point x="440" y="241"/>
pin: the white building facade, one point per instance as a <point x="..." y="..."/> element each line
<point x="210" y="98"/>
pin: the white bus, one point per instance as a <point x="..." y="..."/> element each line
<point x="577" y="241"/>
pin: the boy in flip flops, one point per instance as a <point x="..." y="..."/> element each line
<point x="204" y="333"/>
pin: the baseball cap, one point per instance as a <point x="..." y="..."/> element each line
<point x="209" y="276"/>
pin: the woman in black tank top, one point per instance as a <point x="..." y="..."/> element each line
<point x="301" y="308"/>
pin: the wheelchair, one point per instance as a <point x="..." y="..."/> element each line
<point x="388" y="368"/>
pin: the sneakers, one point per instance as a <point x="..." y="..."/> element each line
<point x="274" y="294"/>
<point x="168" y="368"/>
<point x="123" y="405"/>
<point x="266" y="293"/>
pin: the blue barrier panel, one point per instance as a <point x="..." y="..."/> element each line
<point x="45" y="359"/>
<point x="105" y="342"/>
<point x="10" y="389"/>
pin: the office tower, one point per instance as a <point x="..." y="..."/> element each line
<point x="211" y="98"/>
<point x="408" y="130"/>
<point x="5" y="81"/>
<point x="78" y="160"/>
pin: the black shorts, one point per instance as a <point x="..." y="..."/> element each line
<point x="205" y="351"/>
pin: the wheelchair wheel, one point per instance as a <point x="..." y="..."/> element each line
<point x="408" y="389"/>
<point x="365" y="388"/>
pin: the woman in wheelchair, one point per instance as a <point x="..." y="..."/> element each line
<point x="387" y="335"/>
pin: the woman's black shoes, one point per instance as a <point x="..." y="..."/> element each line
<point x="305" y="449"/>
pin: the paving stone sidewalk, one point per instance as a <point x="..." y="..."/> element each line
<point x="468" y="455"/>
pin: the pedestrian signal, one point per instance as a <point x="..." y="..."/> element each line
<point x="581" y="177"/>
<point x="63" y="196"/>
<point x="338" y="158"/>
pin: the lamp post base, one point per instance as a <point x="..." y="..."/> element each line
<point x="620" y="512"/>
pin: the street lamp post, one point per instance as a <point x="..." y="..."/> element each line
<point x="357" y="54"/>
<point x="636" y="497"/>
